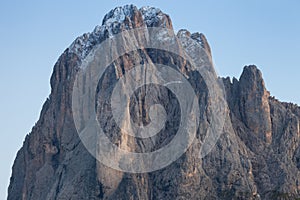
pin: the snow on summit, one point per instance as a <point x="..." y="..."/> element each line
<point x="83" y="44"/>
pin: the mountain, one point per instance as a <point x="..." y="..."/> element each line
<point x="256" y="156"/>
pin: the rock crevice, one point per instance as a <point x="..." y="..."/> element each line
<point x="257" y="156"/>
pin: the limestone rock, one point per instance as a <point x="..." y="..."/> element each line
<point x="256" y="157"/>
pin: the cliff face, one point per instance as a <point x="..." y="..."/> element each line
<point x="256" y="157"/>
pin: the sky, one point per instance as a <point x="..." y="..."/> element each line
<point x="34" y="33"/>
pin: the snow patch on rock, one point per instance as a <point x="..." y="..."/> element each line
<point x="118" y="15"/>
<point x="111" y="25"/>
<point x="150" y="14"/>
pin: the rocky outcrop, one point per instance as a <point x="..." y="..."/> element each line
<point x="259" y="121"/>
<point x="256" y="157"/>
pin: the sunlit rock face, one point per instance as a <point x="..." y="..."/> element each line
<point x="256" y="157"/>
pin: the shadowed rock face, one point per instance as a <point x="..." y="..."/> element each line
<point x="256" y="157"/>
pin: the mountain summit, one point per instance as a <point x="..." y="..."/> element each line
<point x="257" y="156"/>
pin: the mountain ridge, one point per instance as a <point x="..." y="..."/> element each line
<point x="53" y="163"/>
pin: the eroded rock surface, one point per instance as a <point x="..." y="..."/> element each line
<point x="256" y="157"/>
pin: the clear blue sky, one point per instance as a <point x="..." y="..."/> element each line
<point x="34" y="33"/>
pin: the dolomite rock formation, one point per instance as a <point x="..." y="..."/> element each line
<point x="256" y="157"/>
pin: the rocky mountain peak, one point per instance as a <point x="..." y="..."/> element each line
<point x="256" y="157"/>
<point x="254" y="102"/>
<point x="252" y="77"/>
<point x="249" y="100"/>
<point x="118" y="19"/>
<point x="149" y="14"/>
<point x="198" y="37"/>
<point x="118" y="14"/>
